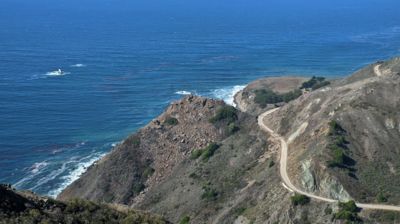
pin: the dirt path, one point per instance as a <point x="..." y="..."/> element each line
<point x="286" y="180"/>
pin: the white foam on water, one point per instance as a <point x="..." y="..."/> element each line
<point x="183" y="92"/>
<point x="81" y="167"/>
<point x="36" y="167"/>
<point x="78" y="65"/>
<point x="227" y="94"/>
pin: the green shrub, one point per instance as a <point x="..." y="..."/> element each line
<point x="271" y="163"/>
<point x="225" y="113"/>
<point x="320" y="85"/>
<point x="232" y="128"/>
<point x="381" y="197"/>
<point x="185" y="220"/>
<point x="209" y="151"/>
<point x="171" y="121"/>
<point x="338" y="146"/>
<point x="194" y="175"/>
<point x="239" y="211"/>
<point x="338" y="158"/>
<point x="196" y="154"/>
<point x="348" y="206"/>
<point x="209" y="194"/>
<point x="299" y="199"/>
<point x="266" y="96"/>
<point x="148" y="172"/>
<point x="287" y="97"/>
<point x="328" y="211"/>
<point x="335" y="128"/>
<point x="314" y="83"/>
<point x="205" y="153"/>
<point x="138" y="187"/>
<point x="347" y="211"/>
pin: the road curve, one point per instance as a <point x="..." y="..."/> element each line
<point x="286" y="179"/>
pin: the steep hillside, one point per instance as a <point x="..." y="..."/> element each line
<point x="202" y="161"/>
<point x="210" y="165"/>
<point x="25" y="207"/>
<point x="150" y="155"/>
<point x="344" y="139"/>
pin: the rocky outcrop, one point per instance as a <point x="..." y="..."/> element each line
<point x="150" y="155"/>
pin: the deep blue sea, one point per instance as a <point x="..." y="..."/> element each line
<point x="124" y="65"/>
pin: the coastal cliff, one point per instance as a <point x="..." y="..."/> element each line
<point x="203" y="161"/>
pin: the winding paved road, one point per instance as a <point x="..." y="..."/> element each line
<point x="286" y="180"/>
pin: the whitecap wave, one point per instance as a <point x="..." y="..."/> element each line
<point x="57" y="173"/>
<point x="227" y="94"/>
<point x="183" y="92"/>
<point x="36" y="167"/>
<point x="78" y="65"/>
<point x="76" y="172"/>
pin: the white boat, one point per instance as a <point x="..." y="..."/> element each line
<point x="58" y="72"/>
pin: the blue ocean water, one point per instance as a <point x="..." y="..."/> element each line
<point x="124" y="65"/>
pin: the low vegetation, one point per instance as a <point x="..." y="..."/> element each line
<point x="228" y="117"/>
<point x="381" y="197"/>
<point x="138" y="187"/>
<point x="15" y="208"/>
<point x="338" y="147"/>
<point x="171" y="121"/>
<point x="185" y="220"/>
<point x="133" y="141"/>
<point x="315" y="83"/>
<point x="209" y="193"/>
<point x="386" y="217"/>
<point x="225" y="113"/>
<point x="265" y="96"/>
<point x="271" y="163"/>
<point x="299" y="199"/>
<point x="232" y="128"/>
<point x="148" y="171"/>
<point x="205" y="153"/>
<point x="348" y="211"/>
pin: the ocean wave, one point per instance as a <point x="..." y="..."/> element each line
<point x="227" y="94"/>
<point x="78" y="65"/>
<point x="51" y="176"/>
<point x="75" y="173"/>
<point x="183" y="92"/>
<point x="36" y="167"/>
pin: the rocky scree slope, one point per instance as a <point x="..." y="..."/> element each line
<point x="202" y="160"/>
